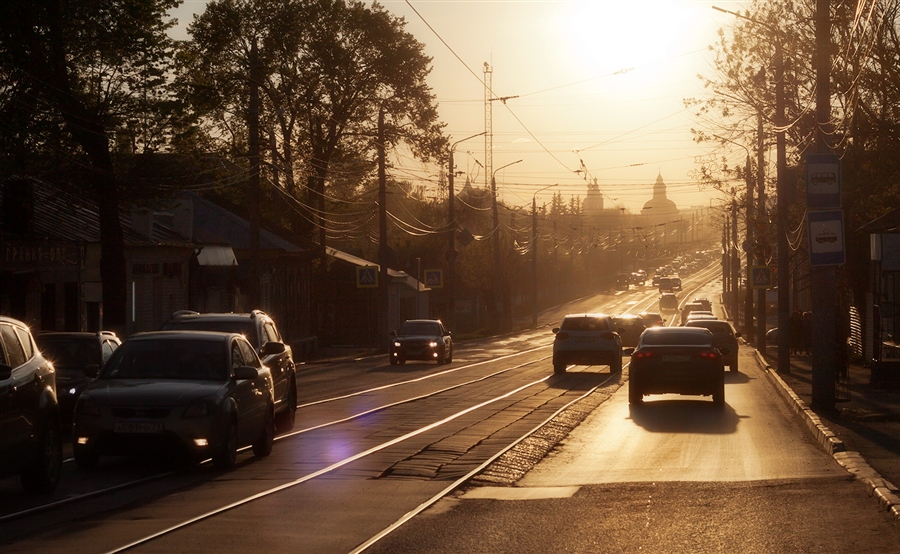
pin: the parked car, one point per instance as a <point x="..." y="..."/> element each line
<point x="725" y="338"/>
<point x="668" y="302"/>
<point x="680" y="360"/>
<point x="587" y="339"/>
<point x="196" y="393"/>
<point x="263" y="334"/>
<point x="629" y="327"/>
<point x="421" y="339"/>
<point x="75" y="355"/>
<point x="652" y="319"/>
<point x="30" y="426"/>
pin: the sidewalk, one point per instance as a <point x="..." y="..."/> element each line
<point x="863" y="432"/>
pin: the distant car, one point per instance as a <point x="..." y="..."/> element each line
<point x="623" y="281"/>
<point x="652" y="319"/>
<point x="421" y="339"/>
<point x="30" y="427"/>
<point x="680" y="360"/>
<point x="629" y="328"/>
<point x="691" y="307"/>
<point x="668" y="302"/>
<point x="77" y="357"/>
<point x="262" y="332"/>
<point x="725" y="338"/>
<point x="587" y="339"/>
<point x="695" y="316"/>
<point x="196" y="393"/>
<point x="707" y="305"/>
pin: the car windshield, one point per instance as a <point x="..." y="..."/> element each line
<point x="586" y="323"/>
<point x="676" y="337"/>
<point x="71" y="352"/>
<point x="420" y="328"/>
<point x="244" y="327"/>
<point x="168" y="358"/>
<point x="718" y="328"/>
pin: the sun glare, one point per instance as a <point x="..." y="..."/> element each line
<point x="614" y="36"/>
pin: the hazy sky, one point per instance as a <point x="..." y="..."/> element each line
<point x="600" y="82"/>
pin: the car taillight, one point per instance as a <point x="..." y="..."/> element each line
<point x="709" y="354"/>
<point x="641" y="355"/>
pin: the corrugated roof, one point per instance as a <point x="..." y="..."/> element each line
<point x="59" y="214"/>
<point x="214" y="224"/>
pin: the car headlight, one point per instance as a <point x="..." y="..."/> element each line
<point x="397" y="344"/>
<point x="87" y="407"/>
<point x="200" y="408"/>
<point x="433" y="344"/>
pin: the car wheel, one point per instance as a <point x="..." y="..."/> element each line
<point x="616" y="366"/>
<point x="43" y="475"/>
<point x="719" y="394"/>
<point x="559" y="367"/>
<point x="226" y="454"/>
<point x="288" y="416"/>
<point x="441" y="359"/>
<point x="450" y="356"/>
<point x="86" y="456"/>
<point x="635" y="396"/>
<point x="262" y="447"/>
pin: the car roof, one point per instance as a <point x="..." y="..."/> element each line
<point x="568" y="316"/>
<point x="222" y="316"/>
<point x="183" y="335"/>
<point x="708" y="323"/>
<point x="43" y="335"/>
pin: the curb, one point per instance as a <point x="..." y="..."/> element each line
<point x="883" y="491"/>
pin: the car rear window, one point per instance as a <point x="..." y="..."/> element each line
<point x="585" y="323"/>
<point x="71" y="352"/>
<point x="716" y="327"/>
<point x="244" y="327"/>
<point x="676" y="337"/>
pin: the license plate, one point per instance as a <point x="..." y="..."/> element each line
<point x="675" y="359"/>
<point x="137" y="427"/>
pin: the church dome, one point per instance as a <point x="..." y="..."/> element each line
<point x="659" y="205"/>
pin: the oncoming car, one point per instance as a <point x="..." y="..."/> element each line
<point x="680" y="360"/>
<point x="194" y="393"/>
<point x="587" y="339"/>
<point x="421" y="339"/>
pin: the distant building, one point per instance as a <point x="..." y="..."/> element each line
<point x="593" y="204"/>
<point x="660" y="209"/>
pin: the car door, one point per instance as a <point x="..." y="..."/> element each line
<point x="19" y="395"/>
<point x="250" y="395"/>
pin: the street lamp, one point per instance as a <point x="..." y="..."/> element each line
<point x="534" y="251"/>
<point x="498" y="290"/>
<point x="451" y="249"/>
<point x="784" y="354"/>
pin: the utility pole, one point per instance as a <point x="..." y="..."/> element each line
<point x="823" y="278"/>
<point x="382" y="322"/>
<point x="499" y="291"/>
<point x="254" y="188"/>
<point x="783" y="278"/>
<point x="760" y="221"/>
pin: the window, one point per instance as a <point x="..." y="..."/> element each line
<point x="15" y="355"/>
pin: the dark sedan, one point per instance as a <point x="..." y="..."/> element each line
<point x="680" y="360"/>
<point x="421" y="339"/>
<point x="725" y="338"/>
<point x="195" y="393"/>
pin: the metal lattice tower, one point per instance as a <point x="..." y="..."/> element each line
<point x="488" y="130"/>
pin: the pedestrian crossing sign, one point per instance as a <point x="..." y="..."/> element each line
<point x="434" y="278"/>
<point x="761" y="277"/>
<point x="367" y="277"/>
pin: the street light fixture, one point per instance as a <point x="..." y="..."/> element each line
<point x="451" y="249"/>
<point x="499" y="293"/>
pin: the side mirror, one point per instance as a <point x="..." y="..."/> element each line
<point x="92" y="370"/>
<point x="555" y="330"/>
<point x="272" y="347"/>
<point x="628" y="351"/>
<point x="245" y="372"/>
<point x="737" y="334"/>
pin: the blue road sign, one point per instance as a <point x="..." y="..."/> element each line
<point x="434" y="278"/>
<point x="823" y="181"/>
<point x="826" y="237"/>
<point x="367" y="277"/>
